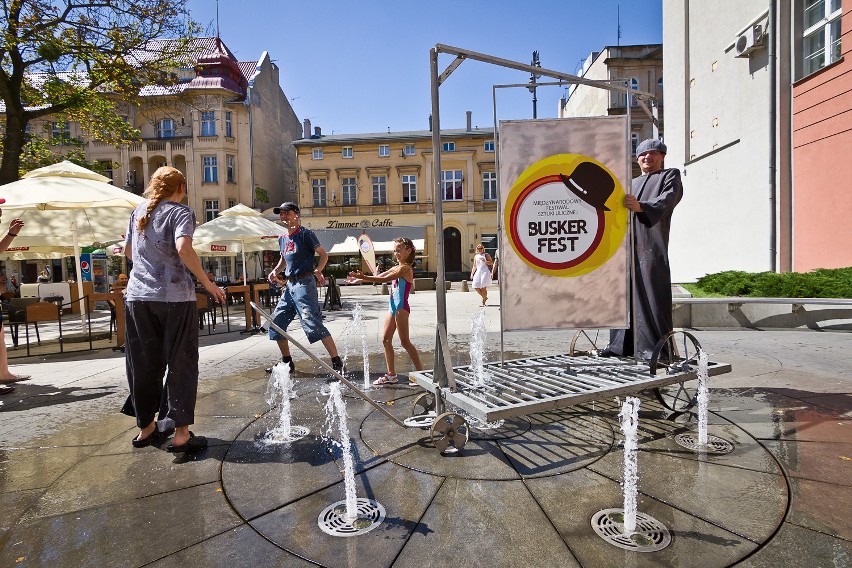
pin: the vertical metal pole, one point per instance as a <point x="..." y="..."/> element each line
<point x="437" y="199"/>
<point x="631" y="249"/>
<point x="499" y="218"/>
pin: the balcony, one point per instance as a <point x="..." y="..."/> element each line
<point x="361" y="210"/>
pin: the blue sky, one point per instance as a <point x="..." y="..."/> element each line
<point x="363" y="65"/>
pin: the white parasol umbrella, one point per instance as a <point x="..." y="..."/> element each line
<point x="239" y="229"/>
<point x="67" y="204"/>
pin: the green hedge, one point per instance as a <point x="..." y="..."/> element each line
<point x="820" y="283"/>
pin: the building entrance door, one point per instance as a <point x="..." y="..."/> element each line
<point x="452" y="250"/>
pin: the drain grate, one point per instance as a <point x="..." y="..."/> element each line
<point x="333" y="519"/>
<point x="715" y="444"/>
<point x="650" y="536"/>
<point x="420" y="420"/>
<point x="275" y="436"/>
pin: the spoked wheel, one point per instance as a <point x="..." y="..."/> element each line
<point x="588" y="343"/>
<point x="677" y="352"/>
<point x="450" y="432"/>
<point x="422" y="411"/>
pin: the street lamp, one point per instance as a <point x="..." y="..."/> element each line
<point x="533" y="78"/>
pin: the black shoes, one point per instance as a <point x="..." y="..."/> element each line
<point x="337" y="365"/>
<point x="284" y="360"/>
<point x="606" y="352"/>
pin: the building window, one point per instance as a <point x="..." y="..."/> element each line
<point x="348" y="187"/>
<point x="211" y="169"/>
<point x="384" y="151"/>
<point x="208" y="123"/>
<point x="449" y="146"/>
<point x="229" y="129"/>
<point x="489" y="241"/>
<point x="451" y="185"/>
<point x="409" y="188"/>
<point x="211" y="209"/>
<point x="347" y="151"/>
<point x="317" y="154"/>
<point x="634" y="143"/>
<point x="166" y="128"/>
<point x="380" y="190"/>
<point x="229" y="166"/>
<point x="231" y="202"/>
<point x="821" y="36"/>
<point x="489" y="186"/>
<point x="489" y="146"/>
<point x="106" y="168"/>
<point x="318" y="187"/>
<point x="61" y="131"/>
<point x="409" y="150"/>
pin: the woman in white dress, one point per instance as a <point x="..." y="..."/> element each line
<point x="480" y="272"/>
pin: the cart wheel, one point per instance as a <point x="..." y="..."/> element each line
<point x="587" y="343"/>
<point x="678" y="353"/>
<point x="450" y="429"/>
<point x="423" y="404"/>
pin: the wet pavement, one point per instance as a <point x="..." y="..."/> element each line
<point x="73" y="492"/>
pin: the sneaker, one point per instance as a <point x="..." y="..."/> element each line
<point x="386" y="379"/>
<point x="337" y="365"/>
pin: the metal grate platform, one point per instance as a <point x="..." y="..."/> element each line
<point x="535" y="384"/>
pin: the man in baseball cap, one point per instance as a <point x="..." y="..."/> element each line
<point x="286" y="206"/>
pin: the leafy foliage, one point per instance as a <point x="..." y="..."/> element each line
<point x="80" y="61"/>
<point x="819" y="283"/>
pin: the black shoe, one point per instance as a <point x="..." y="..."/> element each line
<point x="606" y="352"/>
<point x="337" y="365"/>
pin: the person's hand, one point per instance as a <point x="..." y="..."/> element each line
<point x="632" y="203"/>
<point x="217" y="293"/>
<point x="15" y="227"/>
<point x="320" y="277"/>
<point x="354" y="276"/>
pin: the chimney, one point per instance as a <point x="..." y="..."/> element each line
<point x="317" y="132"/>
<point x="307" y="125"/>
<point x="469" y="116"/>
<point x="430" y="123"/>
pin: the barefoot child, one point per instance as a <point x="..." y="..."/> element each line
<point x="402" y="276"/>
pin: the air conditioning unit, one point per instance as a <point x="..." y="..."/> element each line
<point x="750" y="40"/>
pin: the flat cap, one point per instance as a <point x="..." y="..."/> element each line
<point x="650" y="145"/>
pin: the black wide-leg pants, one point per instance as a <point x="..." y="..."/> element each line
<point x="161" y="338"/>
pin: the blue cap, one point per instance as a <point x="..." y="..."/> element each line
<point x="650" y="145"/>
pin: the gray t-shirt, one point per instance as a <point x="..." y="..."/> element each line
<point x="159" y="274"/>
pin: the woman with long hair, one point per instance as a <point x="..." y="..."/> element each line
<point x="402" y="276"/>
<point x="161" y="313"/>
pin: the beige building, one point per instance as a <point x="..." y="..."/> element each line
<point x="227" y="126"/>
<point x="639" y="67"/>
<point x="383" y="184"/>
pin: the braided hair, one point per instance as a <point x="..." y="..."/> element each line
<point x="165" y="182"/>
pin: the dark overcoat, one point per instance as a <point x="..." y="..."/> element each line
<point x="651" y="318"/>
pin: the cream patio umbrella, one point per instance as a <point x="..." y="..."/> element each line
<point x="67" y="205"/>
<point x="239" y="229"/>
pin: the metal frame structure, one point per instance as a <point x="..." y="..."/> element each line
<point x="444" y="375"/>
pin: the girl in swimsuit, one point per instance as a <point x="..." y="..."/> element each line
<point x="402" y="276"/>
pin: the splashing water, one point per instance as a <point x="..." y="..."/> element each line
<point x="477" y="351"/>
<point x="280" y="392"/>
<point x="703" y="397"/>
<point x="336" y="408"/>
<point x="629" y="418"/>
<point x="359" y="328"/>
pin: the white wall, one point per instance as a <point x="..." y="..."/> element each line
<point x="723" y="222"/>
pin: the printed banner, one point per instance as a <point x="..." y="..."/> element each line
<point x="563" y="255"/>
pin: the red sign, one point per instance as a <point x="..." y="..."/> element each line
<point x="218" y="248"/>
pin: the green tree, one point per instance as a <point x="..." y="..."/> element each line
<point x="81" y="60"/>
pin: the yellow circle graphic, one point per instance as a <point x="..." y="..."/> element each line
<point x="565" y="215"/>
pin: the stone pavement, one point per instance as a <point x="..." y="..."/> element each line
<point x="73" y="492"/>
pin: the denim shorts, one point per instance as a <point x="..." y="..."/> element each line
<point x="300" y="299"/>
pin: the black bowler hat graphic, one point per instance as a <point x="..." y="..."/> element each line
<point x="591" y="183"/>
